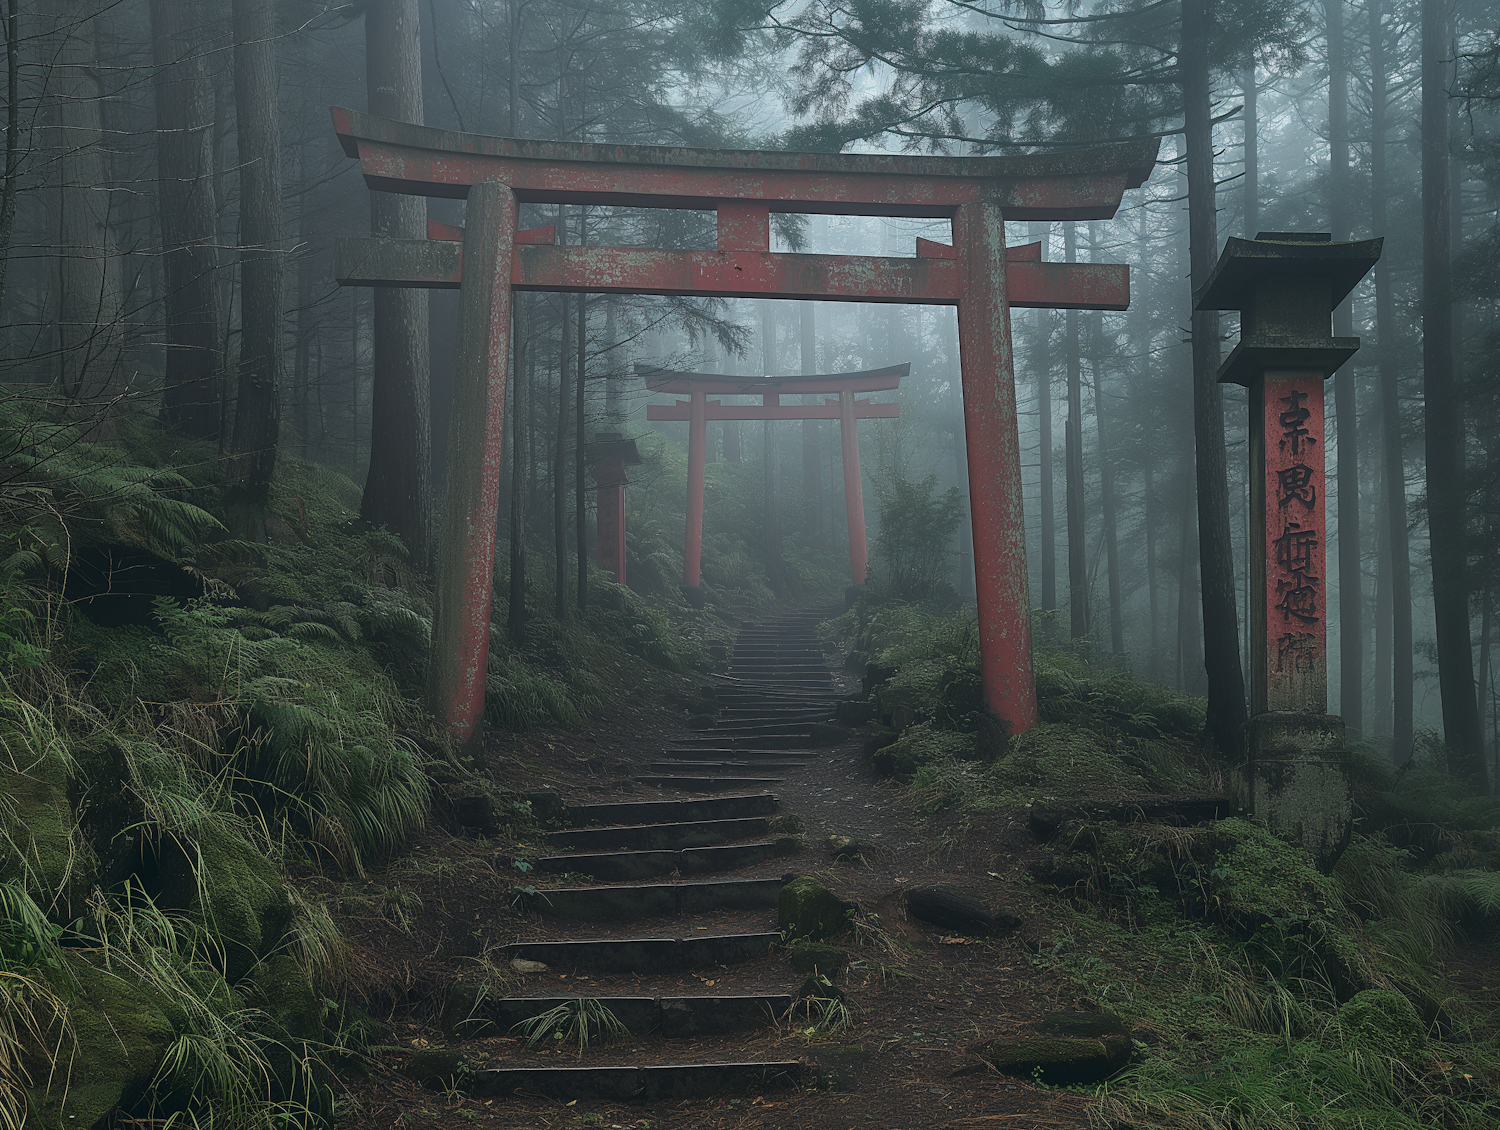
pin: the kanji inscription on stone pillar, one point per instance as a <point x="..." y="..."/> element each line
<point x="1287" y="434"/>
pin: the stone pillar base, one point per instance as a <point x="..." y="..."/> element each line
<point x="1296" y="781"/>
<point x="694" y="595"/>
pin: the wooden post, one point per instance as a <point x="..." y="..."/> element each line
<point x="466" y="553"/>
<point x="692" y="551"/>
<point x="854" y="492"/>
<point x="989" y="390"/>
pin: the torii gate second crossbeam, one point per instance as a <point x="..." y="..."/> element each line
<point x="846" y="409"/>
<point x="743" y="188"/>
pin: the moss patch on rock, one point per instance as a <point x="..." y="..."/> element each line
<point x="117" y="1036"/>
<point x="808" y="909"/>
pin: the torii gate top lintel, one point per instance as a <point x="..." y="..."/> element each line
<point x="727" y="384"/>
<point x="1077" y="184"/>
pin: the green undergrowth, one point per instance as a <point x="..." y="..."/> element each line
<point x="188" y="724"/>
<point x="1264" y="994"/>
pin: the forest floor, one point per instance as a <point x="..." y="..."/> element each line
<point x="917" y="1004"/>
<point x="442" y="912"/>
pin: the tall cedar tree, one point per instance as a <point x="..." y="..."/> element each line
<point x="1444" y="416"/>
<point x="398" y="488"/>
<point x="188" y="209"/>
<point x="257" y="414"/>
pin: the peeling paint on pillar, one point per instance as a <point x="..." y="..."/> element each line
<point x="466" y="545"/>
<point x="994" y="449"/>
<point x="692" y="552"/>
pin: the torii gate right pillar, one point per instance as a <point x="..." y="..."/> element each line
<point x="995" y="507"/>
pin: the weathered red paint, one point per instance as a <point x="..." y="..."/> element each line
<point x="1021" y="253"/>
<point x="729" y="384"/>
<point x="718" y="410"/>
<point x="744" y="187"/>
<point x="994" y="469"/>
<point x="754" y="274"/>
<point x="692" y="552"/>
<point x="744" y="226"/>
<point x="609" y="477"/>
<point x="854" y="489"/>
<point x="461" y="613"/>
<point x="1289" y="621"/>
<point x="1079" y="185"/>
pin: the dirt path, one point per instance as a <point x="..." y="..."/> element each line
<point x="917" y="998"/>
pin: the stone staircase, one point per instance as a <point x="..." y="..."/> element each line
<point x="678" y="890"/>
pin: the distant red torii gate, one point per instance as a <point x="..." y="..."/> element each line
<point x="742" y="187"/>
<point x="846" y="410"/>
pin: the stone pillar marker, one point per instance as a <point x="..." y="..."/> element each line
<point x="610" y="453"/>
<point x="1285" y="285"/>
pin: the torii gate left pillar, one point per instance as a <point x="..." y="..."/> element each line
<point x="743" y="188"/>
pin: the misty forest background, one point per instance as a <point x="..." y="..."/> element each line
<point x="173" y="189"/>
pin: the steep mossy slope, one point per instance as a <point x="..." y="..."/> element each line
<point x="1264" y="995"/>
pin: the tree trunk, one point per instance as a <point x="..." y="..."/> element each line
<point x="1078" y="568"/>
<point x="1221" y="649"/>
<point x="812" y="447"/>
<point x="1346" y="416"/>
<point x="515" y="616"/>
<point x="560" y="458"/>
<point x="1148" y="502"/>
<point x="1189" y="638"/>
<point x="1042" y="364"/>
<point x="1250" y="117"/>
<point x="1107" y="495"/>
<point x="1393" y="455"/>
<point x="90" y="319"/>
<point x="775" y="567"/>
<point x="10" y="189"/>
<point x="1444" y="419"/>
<point x="580" y="453"/>
<point x="189" y="216"/>
<point x="612" y="368"/>
<point x="398" y="488"/>
<point x="257" y="416"/>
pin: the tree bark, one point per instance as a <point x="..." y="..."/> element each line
<point x="1078" y="568"/>
<point x="560" y="458"/>
<point x="515" y="617"/>
<point x="10" y="188"/>
<point x="1346" y="415"/>
<point x="90" y="319"/>
<point x="1392" y="452"/>
<point x="257" y="416"/>
<point x="1221" y="650"/>
<point x="1042" y="364"/>
<point x="1251" y="119"/>
<point x="188" y="215"/>
<point x="398" y="487"/>
<point x="1107" y="495"/>
<point x="1444" y="419"/>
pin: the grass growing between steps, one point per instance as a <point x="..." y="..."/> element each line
<point x="1264" y="995"/>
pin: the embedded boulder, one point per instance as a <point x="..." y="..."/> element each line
<point x="811" y="958"/>
<point x="226" y="883"/>
<point x="1082" y="1025"/>
<point x="119" y="1033"/>
<point x="1382" y="1020"/>
<point x="808" y="909"/>
<point x="844" y="848"/>
<point x="960" y="909"/>
<point x="1059" y="1060"/>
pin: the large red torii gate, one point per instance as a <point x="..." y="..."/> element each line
<point x="698" y="410"/>
<point x="742" y="187"/>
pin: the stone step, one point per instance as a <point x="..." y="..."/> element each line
<point x="654" y="1083"/>
<point x="674" y="1018"/>
<point x="757" y="803"/>
<point x="647" y="955"/>
<point x="624" y="866"/>
<point x="660" y="837"/>
<point x="768" y="743"/>
<point x="728" y="753"/>
<point x="719" y="768"/>
<point x="750" y="730"/>
<point x="646" y="900"/>
<point x="706" y="784"/>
